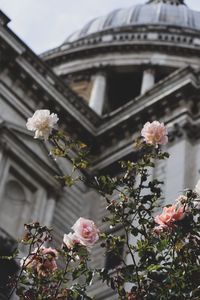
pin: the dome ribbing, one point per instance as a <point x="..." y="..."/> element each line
<point x="155" y="12"/>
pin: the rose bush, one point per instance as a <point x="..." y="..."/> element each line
<point x="158" y="256"/>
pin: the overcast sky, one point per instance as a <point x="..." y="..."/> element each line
<point x="45" y="24"/>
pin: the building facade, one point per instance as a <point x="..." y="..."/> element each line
<point x="105" y="81"/>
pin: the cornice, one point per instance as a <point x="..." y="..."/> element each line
<point x="48" y="81"/>
<point x="126" y="39"/>
<point x="163" y="93"/>
<point x="19" y="104"/>
<point x="11" y="40"/>
<point x="12" y="144"/>
<point x="4" y="20"/>
<point x="181" y="126"/>
<point x="102" y="133"/>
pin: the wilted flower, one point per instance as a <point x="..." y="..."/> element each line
<point x="160" y="229"/>
<point x="170" y="215"/>
<point x="131" y="296"/>
<point x="86" y="231"/>
<point x="42" y="122"/>
<point x="42" y="260"/>
<point x="155" y="133"/>
<point x="182" y="199"/>
<point x="50" y="251"/>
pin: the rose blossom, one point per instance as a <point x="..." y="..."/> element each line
<point x="170" y="215"/>
<point x="155" y="133"/>
<point x="50" y="251"/>
<point x="42" y="260"/>
<point x="182" y="199"/>
<point x="86" y="231"/>
<point x="42" y="122"/>
<point x="70" y="239"/>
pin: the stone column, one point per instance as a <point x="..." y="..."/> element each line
<point x="1" y="154"/>
<point x="98" y="93"/>
<point x="4" y="171"/>
<point x="180" y="169"/>
<point x="148" y="80"/>
<point x="49" y="211"/>
<point x="39" y="205"/>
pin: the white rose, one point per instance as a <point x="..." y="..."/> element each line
<point x="42" y="122"/>
<point x="70" y="239"/>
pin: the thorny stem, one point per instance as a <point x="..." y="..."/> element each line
<point x="138" y="200"/>
<point x="133" y="258"/>
<point x="61" y="149"/>
<point x="75" y="166"/>
<point x="24" y="263"/>
<point x="63" y="277"/>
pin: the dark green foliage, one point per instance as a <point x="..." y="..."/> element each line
<point x="157" y="263"/>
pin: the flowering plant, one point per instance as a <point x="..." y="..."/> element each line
<point x="161" y="253"/>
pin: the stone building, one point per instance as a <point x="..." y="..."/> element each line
<point x="105" y="81"/>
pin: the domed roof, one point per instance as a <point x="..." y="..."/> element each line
<point x="155" y="12"/>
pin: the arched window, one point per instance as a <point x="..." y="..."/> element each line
<point x="12" y="206"/>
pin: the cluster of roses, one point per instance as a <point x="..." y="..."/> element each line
<point x="42" y="123"/>
<point x="85" y="232"/>
<point x="155" y="134"/>
<point x="42" y="260"/>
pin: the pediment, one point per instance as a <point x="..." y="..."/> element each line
<point x="37" y="149"/>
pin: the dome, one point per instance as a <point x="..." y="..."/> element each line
<point x="155" y="12"/>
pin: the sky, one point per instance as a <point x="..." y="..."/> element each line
<point x="45" y="24"/>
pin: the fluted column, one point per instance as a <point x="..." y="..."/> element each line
<point x="98" y="93"/>
<point x="148" y="80"/>
<point x="49" y="211"/>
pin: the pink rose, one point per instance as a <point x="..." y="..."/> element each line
<point x="70" y="239"/>
<point x="86" y="231"/>
<point x="155" y="133"/>
<point x="182" y="199"/>
<point x="50" y="251"/>
<point x="170" y="215"/>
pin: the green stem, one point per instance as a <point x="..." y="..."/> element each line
<point x="63" y="277"/>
